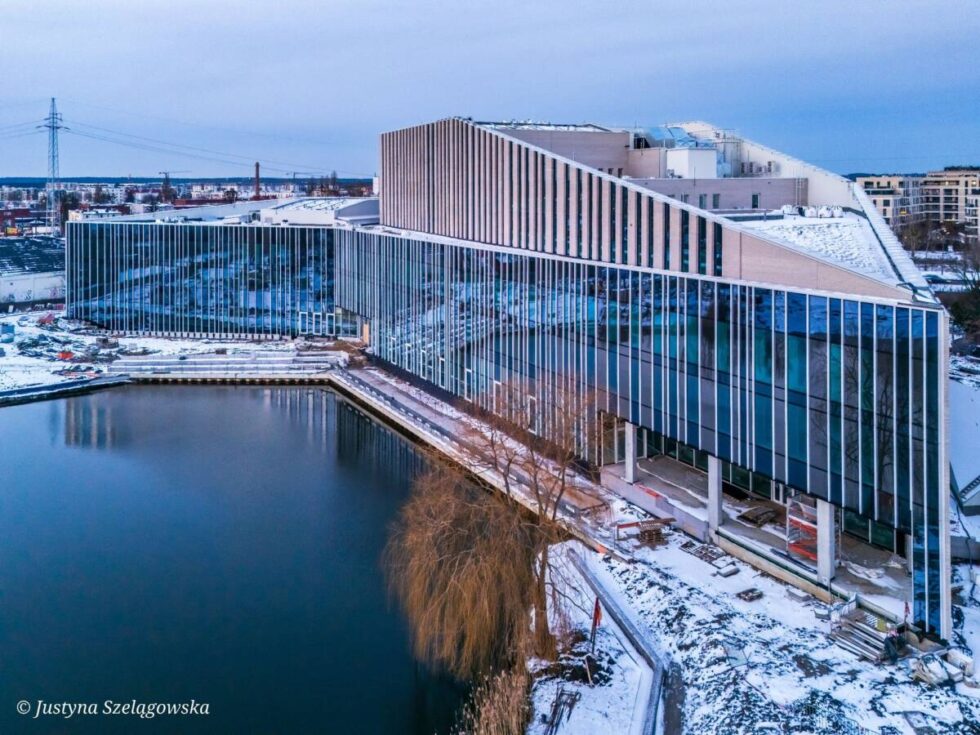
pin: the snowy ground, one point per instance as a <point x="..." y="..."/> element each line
<point x="965" y="370"/>
<point x="969" y="611"/>
<point x="615" y="699"/>
<point x="18" y="370"/>
<point x="794" y="675"/>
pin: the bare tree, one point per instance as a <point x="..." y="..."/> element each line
<point x="459" y="561"/>
<point x="914" y="236"/>
<point x="531" y="444"/>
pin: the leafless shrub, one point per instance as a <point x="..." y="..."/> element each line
<point x="499" y="706"/>
<point x="459" y="561"/>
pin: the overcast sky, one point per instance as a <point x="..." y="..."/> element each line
<point x="857" y="85"/>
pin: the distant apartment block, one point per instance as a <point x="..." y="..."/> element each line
<point x="897" y="197"/>
<point x="951" y="195"/>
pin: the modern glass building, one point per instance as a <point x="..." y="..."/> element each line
<point x="733" y="308"/>
<point x="192" y="273"/>
<point x="823" y="394"/>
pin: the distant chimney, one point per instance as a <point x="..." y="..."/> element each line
<point x="256" y="180"/>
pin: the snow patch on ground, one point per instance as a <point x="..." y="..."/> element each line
<point x="965" y="370"/>
<point x="615" y="701"/>
<point x="964" y="430"/>
<point x="970" y="609"/>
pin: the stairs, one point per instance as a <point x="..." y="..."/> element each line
<point x="863" y="634"/>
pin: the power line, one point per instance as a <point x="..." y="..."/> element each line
<point x="236" y="131"/>
<point x="156" y="145"/>
<point x="21" y="134"/>
<point x="159" y="149"/>
<point x="142" y="142"/>
<point x="30" y="123"/>
<point x="161" y="118"/>
<point x="250" y="159"/>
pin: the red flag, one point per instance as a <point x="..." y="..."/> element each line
<point x="596" y="619"/>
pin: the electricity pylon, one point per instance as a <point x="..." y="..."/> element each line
<point x="53" y="123"/>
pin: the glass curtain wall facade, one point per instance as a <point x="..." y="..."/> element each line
<point x="233" y="281"/>
<point x="838" y="398"/>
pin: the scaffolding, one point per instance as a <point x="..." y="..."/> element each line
<point x="801" y="530"/>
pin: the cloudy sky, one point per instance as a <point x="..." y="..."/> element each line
<point x="858" y="85"/>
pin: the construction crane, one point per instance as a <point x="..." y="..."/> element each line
<point x="166" y="191"/>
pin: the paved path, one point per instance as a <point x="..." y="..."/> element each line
<point x="440" y="426"/>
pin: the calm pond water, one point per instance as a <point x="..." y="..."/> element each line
<point x="219" y="544"/>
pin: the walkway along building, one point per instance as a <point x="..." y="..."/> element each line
<point x="733" y="308"/>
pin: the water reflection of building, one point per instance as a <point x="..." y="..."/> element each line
<point x="89" y="423"/>
<point x="336" y="426"/>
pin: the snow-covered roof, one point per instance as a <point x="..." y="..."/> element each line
<point x="204" y="213"/>
<point x="847" y="241"/>
<point x="532" y="125"/>
<point x="245" y="212"/>
<point x="316" y="204"/>
<point x="31" y="255"/>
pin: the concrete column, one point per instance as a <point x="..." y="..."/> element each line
<point x="716" y="515"/>
<point x="630" y="473"/>
<point x="826" y="542"/>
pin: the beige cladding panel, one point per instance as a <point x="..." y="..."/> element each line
<point x="561" y="209"/>
<point x="765" y="262"/>
<point x="646" y="232"/>
<point x="635" y="215"/>
<point x="603" y="150"/>
<point x="646" y="163"/>
<point x="573" y="218"/>
<point x="658" y="233"/>
<point x="585" y="225"/>
<point x="550" y="202"/>
<point x="732" y="193"/>
<point x="602" y="220"/>
<point x="675" y="239"/>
